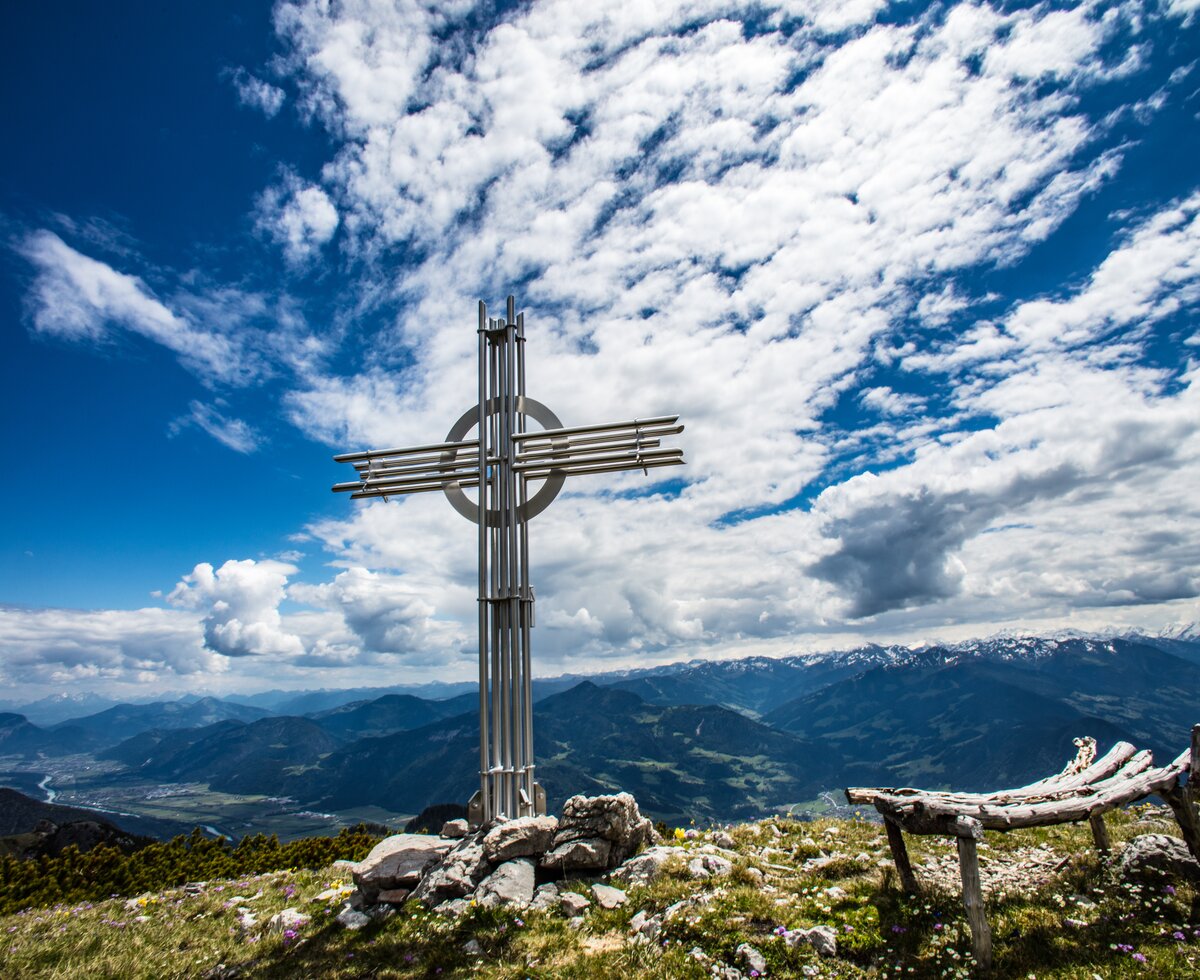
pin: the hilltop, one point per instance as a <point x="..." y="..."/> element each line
<point x="1057" y="911"/>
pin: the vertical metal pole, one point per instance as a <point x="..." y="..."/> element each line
<point x="485" y="795"/>
<point x="512" y="594"/>
<point x="494" y="587"/>
<point x="526" y="607"/>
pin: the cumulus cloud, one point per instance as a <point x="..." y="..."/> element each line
<point x="63" y="647"/>
<point x="240" y="601"/>
<point x="777" y="221"/>
<point x="299" y="217"/>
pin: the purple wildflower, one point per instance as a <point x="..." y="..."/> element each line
<point x="1139" y="957"/>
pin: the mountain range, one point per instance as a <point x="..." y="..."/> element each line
<point x="704" y="740"/>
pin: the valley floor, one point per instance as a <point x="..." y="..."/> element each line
<point x="1056" y="909"/>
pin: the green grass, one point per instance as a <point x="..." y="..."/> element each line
<point x="881" y="932"/>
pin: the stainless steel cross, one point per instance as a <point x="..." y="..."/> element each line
<point x="502" y="461"/>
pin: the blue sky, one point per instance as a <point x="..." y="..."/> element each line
<point x="922" y="282"/>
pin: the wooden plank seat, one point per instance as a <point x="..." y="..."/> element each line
<point x="1085" y="789"/>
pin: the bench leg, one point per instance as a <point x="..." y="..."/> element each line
<point x="1100" y="833"/>
<point x="1185" y="800"/>
<point x="908" y="880"/>
<point x="981" y="933"/>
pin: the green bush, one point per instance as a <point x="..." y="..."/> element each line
<point x="105" y="871"/>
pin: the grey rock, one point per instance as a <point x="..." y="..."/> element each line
<point x="608" y="897"/>
<point x="1158" y="856"/>
<point x="510" y="884"/>
<point x="545" y="897"/>
<point x="397" y="862"/>
<point x="522" y="837"/>
<point x="821" y="938"/>
<point x="709" y="866"/>
<point x="575" y="923"/>
<point x="751" y="957"/>
<point x="454" y="829"/>
<point x="579" y="855"/>
<point x="380" y="913"/>
<point x="722" y="839"/>
<point x="615" y="819"/>
<point x="351" y="919"/>
<point x="641" y="869"/>
<point x="393" y="896"/>
<point x="289" y="918"/>
<point x="457" y="875"/>
<point x="572" y="904"/>
<point x="454" y="907"/>
<point x="472" y="948"/>
<point x="649" y="927"/>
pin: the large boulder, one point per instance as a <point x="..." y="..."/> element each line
<point x="614" y="819"/>
<point x="1158" y="856"/>
<point x="510" y="884"/>
<point x="457" y="875"/>
<point x="397" y="862"/>
<point x="578" y="855"/>
<point x="522" y="837"/>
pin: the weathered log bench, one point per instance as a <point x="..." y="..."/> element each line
<point x="1086" y="789"/>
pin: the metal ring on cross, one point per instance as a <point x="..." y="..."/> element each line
<point x="530" y="408"/>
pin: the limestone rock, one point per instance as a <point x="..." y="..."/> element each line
<point x="397" y="862"/>
<point x="522" y="837"/>
<point x="1156" y="856"/>
<point x="578" y="855"/>
<point x="572" y="904"/>
<point x="648" y="927"/>
<point x="615" y="819"/>
<point x="454" y="907"/>
<point x="510" y="884"/>
<point x="349" y="918"/>
<point x="545" y="897"/>
<point x="709" y="866"/>
<point x="822" y="938"/>
<point x="751" y="957"/>
<point x="608" y="897"/>
<point x="457" y="875"/>
<point x="289" y="918"/>
<point x="454" y="829"/>
<point x="393" y="896"/>
<point x="722" y="839"/>
<point x="641" y="869"/>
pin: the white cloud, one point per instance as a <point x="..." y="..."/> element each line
<point x="300" y="217"/>
<point x="241" y="605"/>
<point x="252" y="91"/>
<point x="234" y="433"/>
<point x="99" y="649"/>
<point x="752" y="228"/>
<point x="79" y="298"/>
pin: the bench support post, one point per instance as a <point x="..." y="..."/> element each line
<point x="1100" y="833"/>
<point x="969" y="830"/>
<point x="908" y="880"/>
<point x="1185" y="800"/>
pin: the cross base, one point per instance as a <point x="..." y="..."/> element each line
<point x="536" y="808"/>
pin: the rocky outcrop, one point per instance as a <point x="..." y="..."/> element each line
<point x="512" y="883"/>
<point x="523" y="837"/>
<point x="1158" y="856"/>
<point x="398" y="862"/>
<point x="511" y="862"/>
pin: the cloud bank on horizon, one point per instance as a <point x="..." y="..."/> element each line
<point x="907" y="276"/>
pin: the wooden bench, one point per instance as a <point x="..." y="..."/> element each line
<point x="1086" y="789"/>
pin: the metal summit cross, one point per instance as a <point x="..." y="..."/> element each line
<point x="501" y="461"/>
